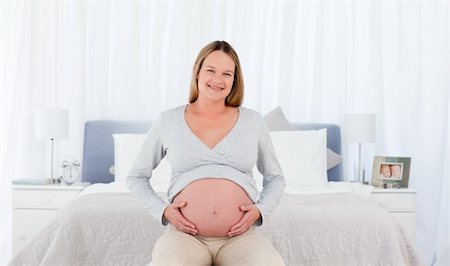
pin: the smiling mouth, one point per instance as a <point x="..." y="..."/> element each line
<point x="215" y="88"/>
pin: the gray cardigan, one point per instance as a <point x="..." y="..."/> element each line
<point x="232" y="158"/>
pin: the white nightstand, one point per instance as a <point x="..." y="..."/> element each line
<point x="34" y="207"/>
<point x="401" y="203"/>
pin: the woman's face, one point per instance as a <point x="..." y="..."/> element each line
<point x="216" y="76"/>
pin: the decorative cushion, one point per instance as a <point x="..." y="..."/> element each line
<point x="126" y="148"/>
<point x="276" y="121"/>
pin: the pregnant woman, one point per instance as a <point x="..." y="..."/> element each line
<point x="212" y="144"/>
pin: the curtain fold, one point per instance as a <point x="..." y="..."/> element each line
<point x="442" y="236"/>
<point x="317" y="59"/>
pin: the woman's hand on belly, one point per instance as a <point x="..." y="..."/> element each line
<point x="251" y="214"/>
<point x="173" y="214"/>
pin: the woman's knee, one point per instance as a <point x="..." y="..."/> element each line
<point x="252" y="248"/>
<point x="267" y="256"/>
<point x="174" y="248"/>
<point x="181" y="260"/>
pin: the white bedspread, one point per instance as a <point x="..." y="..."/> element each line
<point x="317" y="229"/>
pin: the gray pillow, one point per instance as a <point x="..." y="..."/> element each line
<point x="276" y="121"/>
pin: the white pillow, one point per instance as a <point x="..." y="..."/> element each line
<point x="126" y="148"/>
<point x="303" y="158"/>
<point x="276" y="121"/>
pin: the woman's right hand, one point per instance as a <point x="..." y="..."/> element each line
<point x="173" y="214"/>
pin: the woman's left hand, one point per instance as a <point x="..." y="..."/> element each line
<point x="251" y="214"/>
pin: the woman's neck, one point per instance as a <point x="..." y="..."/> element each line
<point x="209" y="108"/>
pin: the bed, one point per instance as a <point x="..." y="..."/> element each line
<point x="105" y="225"/>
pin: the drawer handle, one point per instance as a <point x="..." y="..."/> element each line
<point x="21" y="235"/>
<point x="383" y="203"/>
<point x="45" y="200"/>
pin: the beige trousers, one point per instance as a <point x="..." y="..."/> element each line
<point x="178" y="248"/>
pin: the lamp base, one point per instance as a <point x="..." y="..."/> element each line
<point x="359" y="173"/>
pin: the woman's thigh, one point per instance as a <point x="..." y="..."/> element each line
<point x="178" y="248"/>
<point x="250" y="248"/>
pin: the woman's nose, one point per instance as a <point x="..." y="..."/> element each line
<point x="218" y="80"/>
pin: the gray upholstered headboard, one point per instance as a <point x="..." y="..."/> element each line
<point x="98" y="154"/>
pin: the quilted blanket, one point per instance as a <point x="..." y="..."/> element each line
<point x="324" y="229"/>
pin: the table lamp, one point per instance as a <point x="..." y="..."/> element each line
<point x="52" y="124"/>
<point x="359" y="128"/>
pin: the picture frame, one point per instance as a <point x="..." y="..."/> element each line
<point x="391" y="172"/>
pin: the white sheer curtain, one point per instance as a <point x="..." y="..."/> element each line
<point x="317" y="59"/>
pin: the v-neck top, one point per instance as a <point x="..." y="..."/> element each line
<point x="196" y="137"/>
<point x="233" y="158"/>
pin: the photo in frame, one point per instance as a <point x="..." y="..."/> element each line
<point x="391" y="172"/>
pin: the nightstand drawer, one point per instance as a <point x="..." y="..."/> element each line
<point x="27" y="223"/>
<point x="34" y="207"/>
<point x="395" y="201"/>
<point x="42" y="198"/>
<point x="401" y="204"/>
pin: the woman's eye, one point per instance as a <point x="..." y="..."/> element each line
<point x="210" y="70"/>
<point x="228" y="74"/>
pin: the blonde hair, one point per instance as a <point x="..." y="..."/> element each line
<point x="237" y="91"/>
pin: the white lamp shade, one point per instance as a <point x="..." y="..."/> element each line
<point x="52" y="123"/>
<point x="360" y="128"/>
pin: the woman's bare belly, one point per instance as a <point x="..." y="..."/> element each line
<point x="213" y="205"/>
